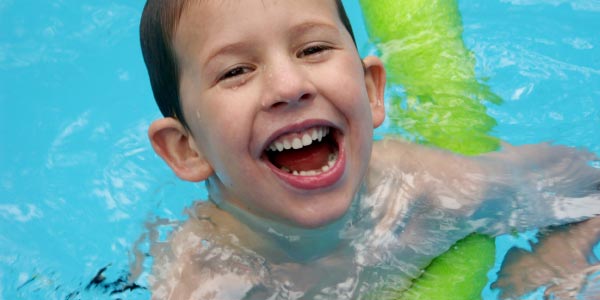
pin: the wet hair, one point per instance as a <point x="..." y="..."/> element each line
<point x="157" y="30"/>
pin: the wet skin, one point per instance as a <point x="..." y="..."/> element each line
<point x="249" y="81"/>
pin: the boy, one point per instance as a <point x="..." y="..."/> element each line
<point x="269" y="103"/>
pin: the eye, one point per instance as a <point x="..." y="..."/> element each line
<point x="313" y="50"/>
<point x="235" y="72"/>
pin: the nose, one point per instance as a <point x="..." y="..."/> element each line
<point x="287" y="85"/>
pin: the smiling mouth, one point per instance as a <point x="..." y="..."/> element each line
<point x="311" y="152"/>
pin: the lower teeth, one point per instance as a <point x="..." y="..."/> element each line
<point x="330" y="162"/>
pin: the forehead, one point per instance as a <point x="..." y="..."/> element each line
<point x="206" y="22"/>
<point x="217" y="10"/>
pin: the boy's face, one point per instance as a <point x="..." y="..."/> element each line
<point x="257" y="75"/>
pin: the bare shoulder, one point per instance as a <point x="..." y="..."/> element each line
<point x="416" y="158"/>
<point x="200" y="259"/>
<point x="438" y="175"/>
<point x="390" y="149"/>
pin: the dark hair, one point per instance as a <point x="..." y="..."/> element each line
<point x="157" y="29"/>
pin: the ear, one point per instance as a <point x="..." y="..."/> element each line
<point x="375" y="82"/>
<point x="176" y="146"/>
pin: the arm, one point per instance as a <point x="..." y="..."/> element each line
<point x="562" y="261"/>
<point x="540" y="185"/>
<point x="517" y="188"/>
<point x="445" y="196"/>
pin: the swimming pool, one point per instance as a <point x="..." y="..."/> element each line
<point x="80" y="182"/>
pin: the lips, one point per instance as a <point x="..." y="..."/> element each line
<point x="306" y="157"/>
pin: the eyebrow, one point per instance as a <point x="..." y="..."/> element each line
<point x="229" y="48"/>
<point x="303" y="28"/>
<point x="295" y="32"/>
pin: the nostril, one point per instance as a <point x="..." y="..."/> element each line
<point x="279" y="104"/>
<point x="295" y="101"/>
<point x="306" y="96"/>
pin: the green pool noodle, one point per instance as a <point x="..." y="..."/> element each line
<point x="421" y="44"/>
<point x="458" y="274"/>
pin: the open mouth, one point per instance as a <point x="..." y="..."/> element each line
<point x="306" y="159"/>
<point x="305" y="153"/>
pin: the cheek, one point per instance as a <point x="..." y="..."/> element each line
<point x="347" y="83"/>
<point x="224" y="132"/>
<point x="222" y="119"/>
<point x="355" y="101"/>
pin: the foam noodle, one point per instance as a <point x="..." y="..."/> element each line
<point x="421" y="44"/>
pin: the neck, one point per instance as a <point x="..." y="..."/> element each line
<point x="284" y="242"/>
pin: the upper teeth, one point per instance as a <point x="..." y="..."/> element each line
<point x="299" y="140"/>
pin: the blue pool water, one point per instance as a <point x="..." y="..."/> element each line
<point x="79" y="182"/>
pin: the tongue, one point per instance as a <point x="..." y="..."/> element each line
<point x="311" y="157"/>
